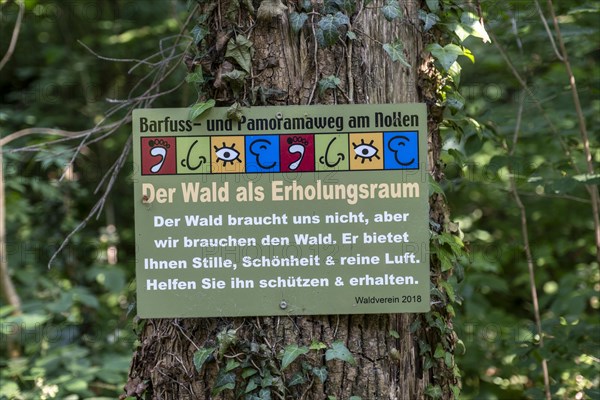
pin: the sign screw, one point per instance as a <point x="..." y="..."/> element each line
<point x="283" y="304"/>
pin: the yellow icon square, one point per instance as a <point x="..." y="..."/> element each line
<point x="227" y="154"/>
<point x="366" y="151"/>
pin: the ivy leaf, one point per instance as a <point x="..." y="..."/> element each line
<point x="435" y="187"/>
<point x="339" y="19"/>
<point x="195" y="77"/>
<point x="391" y="10"/>
<point x="264" y="394"/>
<point x="339" y="351"/>
<point x="297" y="20"/>
<point x="320" y="373"/>
<point x="349" y="6"/>
<point x="423" y="347"/>
<point x="235" y="79"/>
<point x="226" y="338"/>
<point x="251" y="386"/>
<point x="452" y="240"/>
<point x="235" y="75"/>
<point x="241" y="50"/>
<point x="231" y="364"/>
<point x="297" y="379"/>
<point x="290" y="353"/>
<point x="328" y="30"/>
<point x="449" y="290"/>
<point x="455" y="101"/>
<point x="317" y="345"/>
<point x="351" y="35"/>
<point x="429" y="19"/>
<point x="235" y="111"/>
<point x="198" y="33"/>
<point x="414" y="326"/>
<point x="201" y="355"/>
<point x="433" y="391"/>
<point x="395" y="334"/>
<point x="306" y="5"/>
<point x="439" y="351"/>
<point x="472" y="25"/>
<point x="396" y="52"/>
<point x="428" y="363"/>
<point x="232" y="11"/>
<point x="433" y="5"/>
<point x="458" y="156"/>
<point x="224" y="381"/>
<point x="460" y="31"/>
<point x="448" y="360"/>
<point x="448" y="54"/>
<point x="328" y="82"/>
<point x="329" y="6"/>
<point x="445" y="259"/>
<point x="455" y="391"/>
<point x="467" y="53"/>
<point x="248" y="372"/>
<point x="454" y="73"/>
<point x="197" y="109"/>
<point x="267" y="380"/>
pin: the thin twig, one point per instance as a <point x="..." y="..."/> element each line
<point x="145" y="100"/>
<point x="41" y="131"/>
<point x="95" y="209"/>
<point x="592" y="189"/>
<point x="527" y="249"/>
<point x="547" y="28"/>
<point x="15" y="35"/>
<point x="525" y="235"/>
<point x="153" y="64"/>
<point x="113" y="59"/>
<point x="556" y="196"/>
<point x="534" y="99"/>
<point x="316" y="47"/>
<point x="349" y="70"/>
<point x="159" y="78"/>
<point x="186" y="336"/>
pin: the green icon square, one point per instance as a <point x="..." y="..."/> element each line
<point x="193" y="155"/>
<point x="331" y="152"/>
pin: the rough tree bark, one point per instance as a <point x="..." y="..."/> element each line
<point x="289" y="65"/>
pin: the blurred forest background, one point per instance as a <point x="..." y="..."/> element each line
<point x="75" y="331"/>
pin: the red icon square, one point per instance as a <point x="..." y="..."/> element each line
<point x="297" y="153"/>
<point x="158" y="156"/>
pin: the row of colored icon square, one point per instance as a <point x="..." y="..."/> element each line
<point x="171" y="155"/>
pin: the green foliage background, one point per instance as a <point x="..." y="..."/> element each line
<point x="77" y="330"/>
<point x="502" y="357"/>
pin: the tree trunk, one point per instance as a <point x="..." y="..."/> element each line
<point x="287" y="66"/>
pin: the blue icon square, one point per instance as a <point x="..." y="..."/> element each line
<point x="262" y="153"/>
<point x="401" y="150"/>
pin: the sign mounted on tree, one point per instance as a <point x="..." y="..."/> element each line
<point x="286" y="211"/>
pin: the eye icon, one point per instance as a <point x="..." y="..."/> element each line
<point x="366" y="151"/>
<point x="227" y="154"/>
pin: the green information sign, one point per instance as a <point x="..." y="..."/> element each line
<point x="289" y="210"/>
